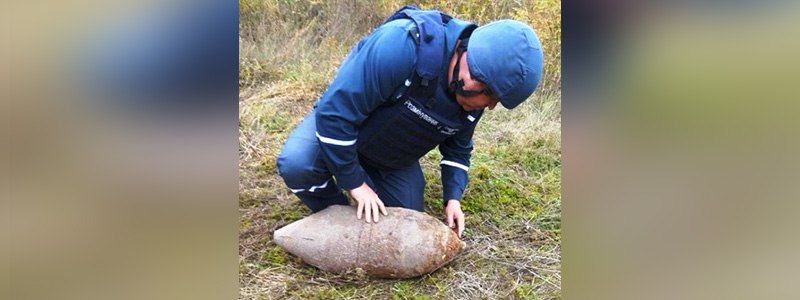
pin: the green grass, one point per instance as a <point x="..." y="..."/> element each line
<point x="289" y="51"/>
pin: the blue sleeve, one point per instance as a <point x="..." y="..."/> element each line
<point x="374" y="69"/>
<point x="456" y="152"/>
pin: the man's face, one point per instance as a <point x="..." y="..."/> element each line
<point x="475" y="102"/>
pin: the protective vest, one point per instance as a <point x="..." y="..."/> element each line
<point x="400" y="132"/>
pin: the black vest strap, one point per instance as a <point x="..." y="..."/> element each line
<point x="429" y="36"/>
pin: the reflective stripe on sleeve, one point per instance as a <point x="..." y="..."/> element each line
<point x="334" y="141"/>
<point x="454" y="164"/>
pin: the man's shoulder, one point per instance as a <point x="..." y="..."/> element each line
<point x="404" y="24"/>
<point x="396" y="32"/>
<point x="394" y="43"/>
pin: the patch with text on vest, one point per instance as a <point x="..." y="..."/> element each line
<point x="427" y="118"/>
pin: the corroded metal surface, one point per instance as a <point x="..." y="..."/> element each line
<point x="404" y="244"/>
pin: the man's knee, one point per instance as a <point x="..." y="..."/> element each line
<point x="409" y="194"/>
<point x="292" y="167"/>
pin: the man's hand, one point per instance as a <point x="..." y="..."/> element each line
<point x="368" y="202"/>
<point x="454" y="215"/>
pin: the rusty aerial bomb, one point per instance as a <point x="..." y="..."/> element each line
<point x="404" y="244"/>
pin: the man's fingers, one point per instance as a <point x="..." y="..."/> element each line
<point x="368" y="211"/>
<point x="449" y="218"/>
<point x="375" y="213"/>
<point x="460" y="224"/>
<point x="383" y="208"/>
<point x="360" y="208"/>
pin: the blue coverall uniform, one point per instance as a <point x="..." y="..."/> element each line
<point x="321" y="156"/>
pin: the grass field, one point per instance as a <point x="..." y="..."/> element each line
<point x="289" y="51"/>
